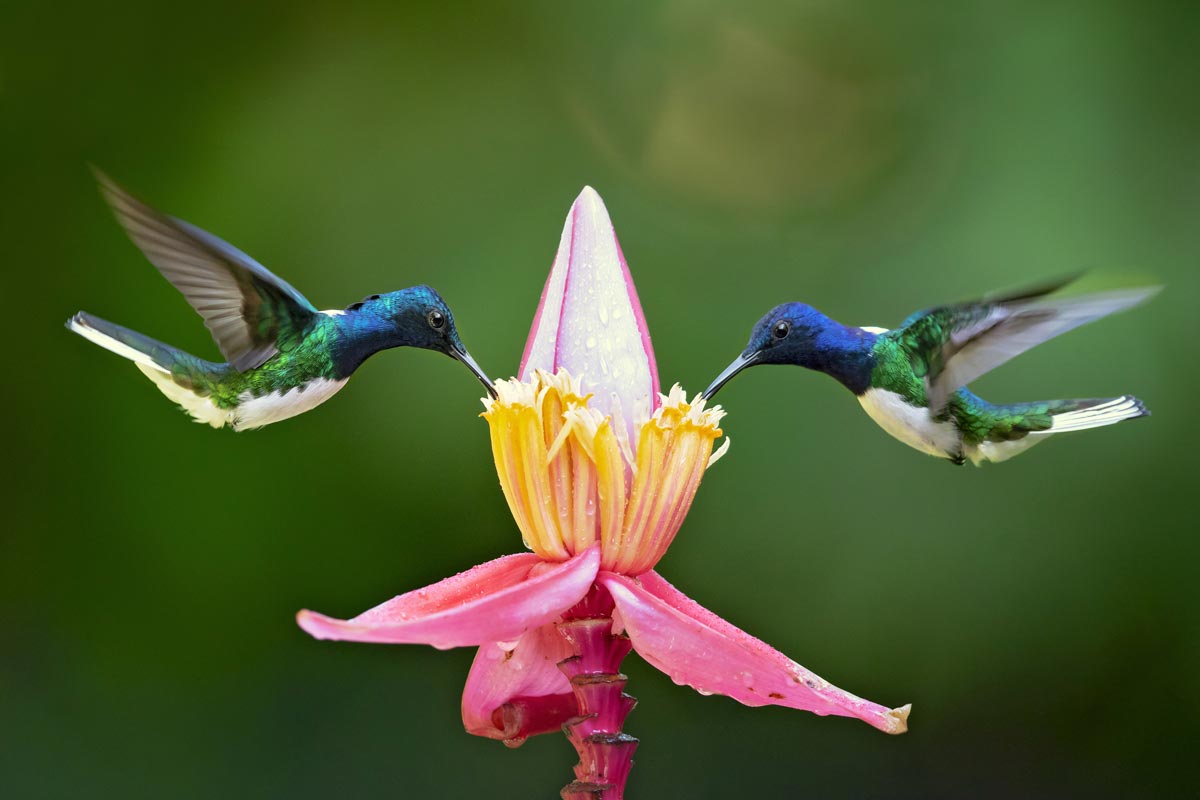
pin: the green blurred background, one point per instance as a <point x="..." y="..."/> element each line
<point x="871" y="158"/>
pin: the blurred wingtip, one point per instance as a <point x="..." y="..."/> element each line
<point x="1035" y="290"/>
<point x="102" y="178"/>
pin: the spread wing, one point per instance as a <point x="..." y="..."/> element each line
<point x="1024" y="293"/>
<point x="244" y="306"/>
<point x="952" y="345"/>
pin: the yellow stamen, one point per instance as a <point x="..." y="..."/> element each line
<point x="571" y="482"/>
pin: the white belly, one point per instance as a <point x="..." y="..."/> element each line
<point x="912" y="425"/>
<point x="201" y="409"/>
<point x="995" y="452"/>
<point x="254" y="412"/>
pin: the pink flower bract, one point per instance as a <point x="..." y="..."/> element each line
<point x="599" y="470"/>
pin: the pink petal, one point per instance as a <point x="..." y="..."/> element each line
<point x="590" y="320"/>
<point x="695" y="647"/>
<point x="493" y="602"/>
<point x="517" y="691"/>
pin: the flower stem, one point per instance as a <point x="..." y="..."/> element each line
<point x="605" y="752"/>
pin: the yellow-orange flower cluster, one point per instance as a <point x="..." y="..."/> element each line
<point x="572" y="479"/>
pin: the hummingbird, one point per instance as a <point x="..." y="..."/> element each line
<point x="284" y="357"/>
<point x="912" y="380"/>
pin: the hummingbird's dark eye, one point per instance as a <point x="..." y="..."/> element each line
<point x="436" y="319"/>
<point x="781" y="329"/>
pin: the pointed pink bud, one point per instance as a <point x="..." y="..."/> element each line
<point x="696" y="648"/>
<point x="515" y="689"/>
<point x="494" y="602"/>
<point x="590" y="320"/>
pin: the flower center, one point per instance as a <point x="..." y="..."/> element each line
<point x="572" y="479"/>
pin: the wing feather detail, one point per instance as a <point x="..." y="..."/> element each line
<point x="244" y="305"/>
<point x="953" y="345"/>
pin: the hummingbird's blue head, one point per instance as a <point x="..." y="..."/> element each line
<point x="786" y="335"/>
<point x="415" y="317"/>
<point x="796" y="333"/>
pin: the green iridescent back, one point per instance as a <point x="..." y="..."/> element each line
<point x="303" y="356"/>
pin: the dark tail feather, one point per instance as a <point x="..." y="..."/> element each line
<point x="127" y="343"/>
<point x="183" y="378"/>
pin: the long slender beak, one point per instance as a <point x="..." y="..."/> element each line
<point x="740" y="363"/>
<point x="465" y="357"/>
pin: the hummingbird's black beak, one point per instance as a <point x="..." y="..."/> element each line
<point x="747" y="359"/>
<point x="462" y="355"/>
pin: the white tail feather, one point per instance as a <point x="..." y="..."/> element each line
<point x="1109" y="413"/>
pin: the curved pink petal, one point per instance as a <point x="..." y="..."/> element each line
<point x="515" y="691"/>
<point x="590" y="320"/>
<point x="695" y="647"/>
<point x="493" y="602"/>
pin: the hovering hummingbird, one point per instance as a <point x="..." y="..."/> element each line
<point x="284" y="356"/>
<point x="912" y="380"/>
